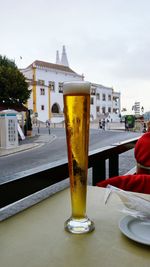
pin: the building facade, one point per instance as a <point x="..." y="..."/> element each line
<point x="105" y="103"/>
<point x="46" y="100"/>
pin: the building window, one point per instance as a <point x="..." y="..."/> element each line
<point x="51" y="85"/>
<point x="42" y="107"/>
<point x="109" y="110"/>
<point x="41" y="82"/>
<point x="115" y="111"/>
<point x="93" y="91"/>
<point x="60" y="86"/>
<point x="97" y="109"/>
<point x="104" y="97"/>
<point x="109" y="97"/>
<point x="98" y="96"/>
<point x="42" y="91"/>
<point x="115" y="99"/>
<point x="103" y="110"/>
<point x="92" y="101"/>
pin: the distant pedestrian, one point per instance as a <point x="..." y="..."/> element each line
<point x="103" y="124"/>
<point x="126" y="125"/>
<point x="49" y="123"/>
<point x="100" y="124"/>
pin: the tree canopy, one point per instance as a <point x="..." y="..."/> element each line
<point x="13" y="85"/>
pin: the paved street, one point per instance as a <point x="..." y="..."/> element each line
<point x="48" y="148"/>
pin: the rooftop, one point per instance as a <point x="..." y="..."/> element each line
<point x="43" y="64"/>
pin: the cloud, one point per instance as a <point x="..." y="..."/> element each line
<point x="107" y="40"/>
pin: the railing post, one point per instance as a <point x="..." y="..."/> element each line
<point x="114" y="165"/>
<point x="98" y="172"/>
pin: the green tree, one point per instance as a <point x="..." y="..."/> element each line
<point x="13" y="86"/>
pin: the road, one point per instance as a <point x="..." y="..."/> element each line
<point x="56" y="150"/>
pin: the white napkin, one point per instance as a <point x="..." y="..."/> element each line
<point x="134" y="205"/>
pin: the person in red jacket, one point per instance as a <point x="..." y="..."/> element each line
<point x="139" y="182"/>
<point x="142" y="154"/>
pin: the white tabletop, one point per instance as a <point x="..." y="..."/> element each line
<point x="36" y="236"/>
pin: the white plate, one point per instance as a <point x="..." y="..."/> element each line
<point x="135" y="229"/>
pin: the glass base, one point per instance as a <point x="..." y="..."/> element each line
<point x="79" y="226"/>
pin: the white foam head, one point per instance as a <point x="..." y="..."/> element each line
<point x="76" y="87"/>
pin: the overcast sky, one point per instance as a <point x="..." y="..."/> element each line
<point x="106" y="40"/>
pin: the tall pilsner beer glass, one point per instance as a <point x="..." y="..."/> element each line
<point x="77" y="117"/>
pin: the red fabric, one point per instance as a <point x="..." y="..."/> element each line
<point x="136" y="183"/>
<point x="142" y="150"/>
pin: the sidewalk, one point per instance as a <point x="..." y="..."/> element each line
<point x="29" y="143"/>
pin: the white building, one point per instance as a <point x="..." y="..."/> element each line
<point x="105" y="103"/>
<point x="46" y="100"/>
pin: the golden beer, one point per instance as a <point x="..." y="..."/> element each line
<point x="77" y="114"/>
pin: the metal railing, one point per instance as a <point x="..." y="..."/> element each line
<point x="31" y="181"/>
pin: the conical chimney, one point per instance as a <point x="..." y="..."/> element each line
<point x="64" y="60"/>
<point x="57" y="57"/>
